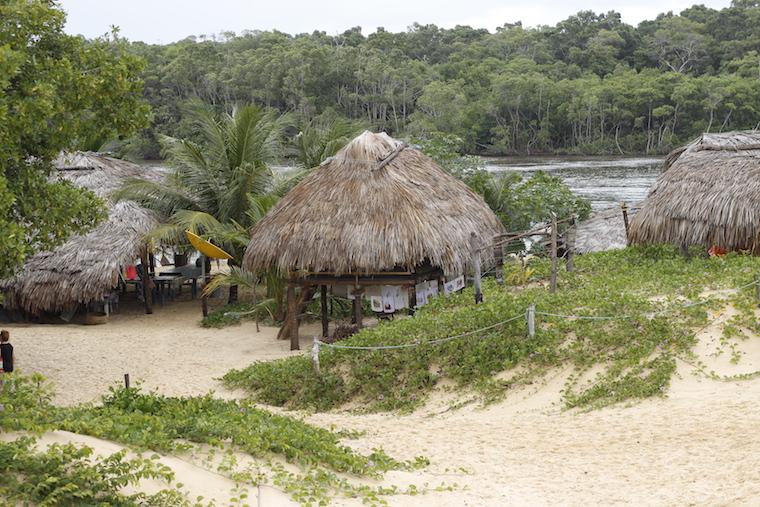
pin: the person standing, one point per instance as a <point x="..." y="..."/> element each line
<point x="6" y="352"/>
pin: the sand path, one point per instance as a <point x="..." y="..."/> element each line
<point x="698" y="446"/>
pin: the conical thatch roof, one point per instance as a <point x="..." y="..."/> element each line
<point x="708" y="195"/>
<point x="87" y="266"/>
<point x="377" y="205"/>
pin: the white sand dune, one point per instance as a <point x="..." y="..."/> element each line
<point x="698" y="446"/>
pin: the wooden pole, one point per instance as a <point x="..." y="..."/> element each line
<point x="570" y="244"/>
<point x="553" y="279"/>
<point x="498" y="253"/>
<point x="204" y="298"/>
<point x="147" y="282"/>
<point x="358" y="306"/>
<point x="412" y="299"/>
<point x="315" y="355"/>
<point x="530" y="316"/>
<point x="323" y="302"/>
<point x="757" y="287"/>
<point x="624" y="207"/>
<point x="292" y="317"/>
<point x="126" y="380"/>
<point x="475" y="249"/>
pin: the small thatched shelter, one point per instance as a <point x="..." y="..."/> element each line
<point x="708" y="195"/>
<point x="86" y="267"/>
<point x="377" y="213"/>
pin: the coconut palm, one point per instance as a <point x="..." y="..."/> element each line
<point x="220" y="185"/>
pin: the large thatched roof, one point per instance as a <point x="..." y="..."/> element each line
<point x="377" y="205"/>
<point x="708" y="195"/>
<point x="85" y="267"/>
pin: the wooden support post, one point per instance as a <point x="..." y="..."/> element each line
<point x="475" y="250"/>
<point x="323" y="303"/>
<point x="152" y="263"/>
<point x="412" y="299"/>
<point x="147" y="281"/>
<point x="570" y="243"/>
<point x="530" y="316"/>
<point x="358" y="292"/>
<point x="292" y="317"/>
<point x="204" y="298"/>
<point x="624" y="207"/>
<point x="126" y="380"/>
<point x="553" y="279"/>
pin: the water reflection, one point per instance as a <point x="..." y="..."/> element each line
<point x="604" y="182"/>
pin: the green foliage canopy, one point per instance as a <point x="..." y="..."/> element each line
<point x="55" y="91"/>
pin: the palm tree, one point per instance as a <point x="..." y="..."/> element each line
<point x="221" y="185"/>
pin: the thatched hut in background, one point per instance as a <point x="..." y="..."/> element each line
<point x="709" y="195"/>
<point x="87" y="266"/>
<point x="377" y="213"/>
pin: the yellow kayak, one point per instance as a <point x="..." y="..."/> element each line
<point x="205" y="247"/>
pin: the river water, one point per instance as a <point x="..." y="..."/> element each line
<point x="603" y="181"/>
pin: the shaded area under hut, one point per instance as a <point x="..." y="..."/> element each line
<point x="708" y="195"/>
<point x="378" y="213"/>
<point x="86" y="268"/>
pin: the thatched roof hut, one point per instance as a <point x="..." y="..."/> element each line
<point x="378" y="205"/>
<point x="377" y="213"/>
<point x="709" y="195"/>
<point x="87" y="266"/>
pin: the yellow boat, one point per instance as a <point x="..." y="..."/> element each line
<point x="207" y="248"/>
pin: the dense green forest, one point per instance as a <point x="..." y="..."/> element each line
<point x="591" y="84"/>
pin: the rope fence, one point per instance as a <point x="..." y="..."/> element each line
<point x="529" y="316"/>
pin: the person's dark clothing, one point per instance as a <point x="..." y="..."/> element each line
<point x="6" y="352"/>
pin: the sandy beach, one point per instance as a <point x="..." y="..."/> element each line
<point x="697" y="446"/>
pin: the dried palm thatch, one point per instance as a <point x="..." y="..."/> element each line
<point x="87" y="266"/>
<point x="378" y="205"/>
<point x="708" y="195"/>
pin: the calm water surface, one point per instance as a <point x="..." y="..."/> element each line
<point x="603" y="181"/>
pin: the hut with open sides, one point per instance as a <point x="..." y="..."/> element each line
<point x="87" y="266"/>
<point x="708" y="195"/>
<point x="378" y="213"/>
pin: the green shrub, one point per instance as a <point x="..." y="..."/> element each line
<point x="636" y="351"/>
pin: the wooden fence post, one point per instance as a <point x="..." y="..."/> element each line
<point x="530" y="316"/>
<point x="475" y="249"/>
<point x="126" y="380"/>
<point x="315" y="355"/>
<point x="498" y="253"/>
<point x="570" y="244"/>
<point x="624" y="207"/>
<point x="553" y="279"/>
